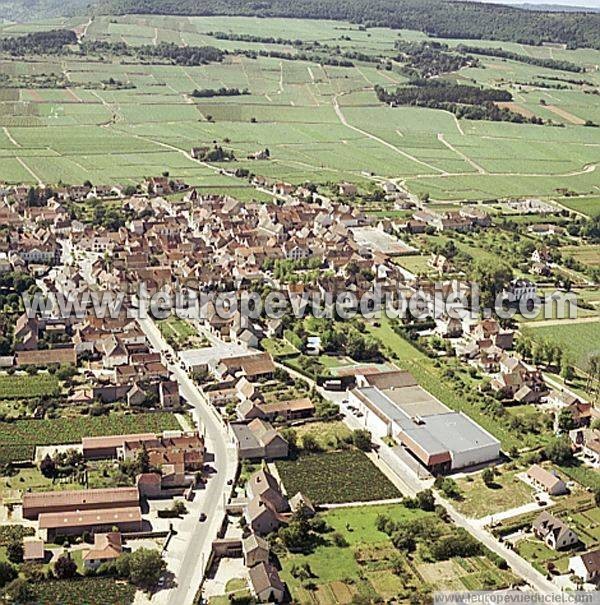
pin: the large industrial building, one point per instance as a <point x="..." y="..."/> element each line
<point x="394" y="405"/>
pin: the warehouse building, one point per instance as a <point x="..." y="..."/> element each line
<point x="442" y="440"/>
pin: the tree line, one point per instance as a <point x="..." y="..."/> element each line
<point x="218" y="92"/>
<point x="432" y="58"/>
<point x="464" y="101"/>
<point x="179" y="55"/>
<point x="506" y="54"/>
<point x="439" y="18"/>
<point x="48" y="42"/>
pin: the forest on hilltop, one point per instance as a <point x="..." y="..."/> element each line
<point x="442" y="18"/>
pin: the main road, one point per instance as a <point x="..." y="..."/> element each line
<point x="188" y="552"/>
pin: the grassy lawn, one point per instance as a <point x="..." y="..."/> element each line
<point x="30" y="479"/>
<point x="578" y="341"/>
<point x="414" y="264"/>
<point x="327" y="434"/>
<point x="479" y="500"/>
<point x="332" y="477"/>
<point x="179" y="333"/>
<point x="278" y="347"/>
<point x="537" y="553"/>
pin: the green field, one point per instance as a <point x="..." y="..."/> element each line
<point x="26" y="387"/>
<point x="321" y="123"/>
<point x="478" y="500"/>
<point x="578" y="341"/>
<point x="332" y="477"/>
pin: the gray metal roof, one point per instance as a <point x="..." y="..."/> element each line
<point x="458" y="432"/>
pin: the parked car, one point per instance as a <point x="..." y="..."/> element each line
<point x="202" y="517"/>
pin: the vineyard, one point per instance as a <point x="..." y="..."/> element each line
<point x="341" y="476"/>
<point x="25" y="387"/>
<point x="88" y="591"/>
<point x="18" y="439"/>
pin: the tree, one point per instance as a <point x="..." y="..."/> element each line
<point x="565" y="421"/>
<point x="7" y="573"/>
<point x="47" y="467"/>
<point x="291" y="436"/>
<point x="65" y="567"/>
<point x="144" y="460"/>
<point x="566" y="371"/>
<point x="18" y="591"/>
<point x="492" y="277"/>
<point x="14" y="551"/>
<point x="145" y="567"/>
<point x="361" y="438"/>
<point x="488" y="476"/>
<point x="559" y="450"/>
<point x="310" y="443"/>
<point x="426" y="500"/>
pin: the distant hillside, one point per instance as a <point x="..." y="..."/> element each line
<point x="31" y="10"/>
<point x="557" y="8"/>
<point x="436" y="17"/>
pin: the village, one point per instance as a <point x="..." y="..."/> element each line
<point x="217" y="451"/>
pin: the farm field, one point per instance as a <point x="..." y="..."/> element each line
<point x="26" y="387"/>
<point x="578" y="341"/>
<point x="590" y="206"/>
<point x="320" y="123"/>
<point x="324" y="477"/>
<point x="20" y="437"/>
<point x="586" y="254"/>
<point x="97" y="591"/>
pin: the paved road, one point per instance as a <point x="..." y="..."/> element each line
<point x="188" y="552"/>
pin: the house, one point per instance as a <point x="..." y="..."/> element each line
<point x="261" y="518"/>
<point x="550" y="482"/>
<point x="107" y="547"/>
<point x="586" y="566"/>
<point x="280" y="410"/>
<point x="263" y="485"/>
<point x="37" y="503"/>
<point x="440" y="263"/>
<point x="136" y="396"/>
<point x="33" y="550"/>
<point x="258" y="440"/>
<point x="255" y="550"/>
<point x="168" y="392"/>
<point x="265" y="583"/>
<point x="347" y="189"/>
<point x="128" y="519"/>
<point x="520" y="289"/>
<point x="587" y="441"/>
<point x="99" y="448"/>
<point x="555" y="533"/>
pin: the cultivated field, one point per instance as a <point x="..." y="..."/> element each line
<point x="320" y="123"/>
<point x="324" y="478"/>
<point x="578" y="341"/>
